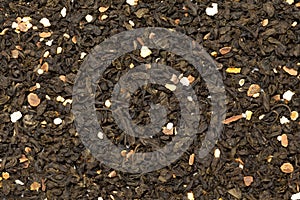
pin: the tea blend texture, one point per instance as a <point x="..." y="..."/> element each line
<point x="255" y="46"/>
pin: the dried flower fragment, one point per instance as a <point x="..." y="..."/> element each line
<point x="225" y="50"/>
<point x="233" y="70"/>
<point x="45" y="67"/>
<point x="265" y="22"/>
<point x="294" y="115"/>
<point x="284" y="140"/>
<point x="33" y="99"/>
<point x="287" y="168"/>
<point x="288" y="95"/>
<point x="185" y="81"/>
<point x="290" y="2"/>
<point x="232" y="119"/>
<point x="253" y="90"/>
<point x="14" y="53"/>
<point x="248" y="114"/>
<point x="171" y="87"/>
<point x="45" y="34"/>
<point x="107" y="103"/>
<point x="89" y="18"/>
<point x="23" y="159"/>
<point x="190" y="196"/>
<point x="74" y="39"/>
<point x="14" y="117"/>
<point x="45" y="22"/>
<point x="18" y="182"/>
<point x="192" y="159"/>
<point x="35" y="186"/>
<point x="27" y="149"/>
<point x="290" y="71"/>
<point x="57" y="121"/>
<point x="103" y="9"/>
<point x="132" y="2"/>
<point x="191" y="78"/>
<point x="211" y="11"/>
<point x="217" y="153"/>
<point x="145" y="52"/>
<point x="63" y="78"/>
<point x="63" y="12"/>
<point x="284" y="120"/>
<point x="5" y="175"/>
<point x="167" y="131"/>
<point x="112" y="174"/>
<point x="248" y="180"/>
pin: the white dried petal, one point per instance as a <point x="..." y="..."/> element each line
<point x="60" y="99"/>
<point x="38" y="86"/>
<point x="103" y="17"/>
<point x="185" y="81"/>
<point x="284" y="120"/>
<point x="261" y="117"/>
<point x="174" y="79"/>
<point x="132" y="2"/>
<point x="241" y="166"/>
<point x="89" y="18"/>
<point x="19" y="182"/>
<point x="241" y="82"/>
<point x="49" y="43"/>
<point x="66" y="35"/>
<point x="131" y="23"/>
<point x="47" y="97"/>
<point x="40" y="71"/>
<point x="145" y="51"/>
<point x="82" y="55"/>
<point x="290" y="2"/>
<point x="57" y="121"/>
<point x="294" y="24"/>
<point x="211" y="11"/>
<point x="171" y="87"/>
<point x="14" y="117"/>
<point x="63" y="12"/>
<point x="279" y="138"/>
<point x="100" y="135"/>
<point x="295" y="196"/>
<point x="46" y="54"/>
<point x="45" y="22"/>
<point x="190" y="196"/>
<point x="107" y="103"/>
<point x="14" y="25"/>
<point x="169" y="125"/>
<point x="217" y="153"/>
<point x="100" y="198"/>
<point x="58" y="50"/>
<point x="67" y="101"/>
<point x="189" y="98"/>
<point x="248" y="114"/>
<point x="288" y="95"/>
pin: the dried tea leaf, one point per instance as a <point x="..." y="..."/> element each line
<point x="232" y="119"/>
<point x="287" y="168"/>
